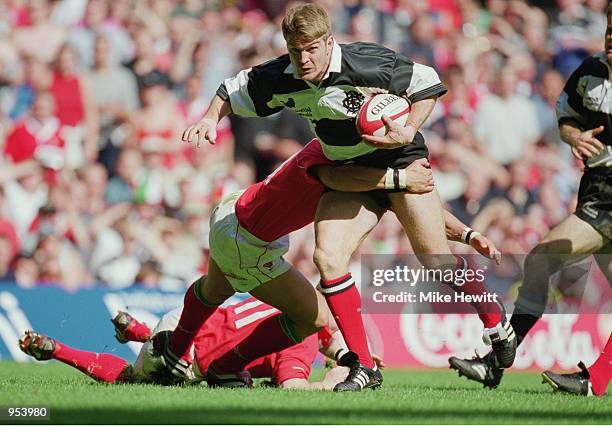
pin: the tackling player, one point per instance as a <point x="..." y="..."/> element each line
<point x="327" y="83"/>
<point x="584" y="110"/>
<point x="288" y="369"/>
<point x="248" y="237"/>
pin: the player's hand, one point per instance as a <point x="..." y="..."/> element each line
<point x="378" y="361"/>
<point x="335" y="376"/>
<point x="419" y="177"/>
<point x="205" y="129"/>
<point x="486" y="247"/>
<point x="395" y="137"/>
<point x="587" y="145"/>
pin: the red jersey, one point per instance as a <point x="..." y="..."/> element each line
<point x="287" y="199"/>
<point x="227" y="327"/>
<point x="68" y="99"/>
<point x="29" y="135"/>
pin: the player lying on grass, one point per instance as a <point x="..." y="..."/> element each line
<point x="289" y="368"/>
<point x="327" y="83"/>
<point x="248" y="237"/>
<point x="585" y="124"/>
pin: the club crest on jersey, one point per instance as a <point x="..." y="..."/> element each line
<point x="353" y="101"/>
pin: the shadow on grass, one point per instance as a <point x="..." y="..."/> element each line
<point x="321" y="416"/>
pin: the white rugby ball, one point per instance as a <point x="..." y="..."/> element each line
<point x="369" y="119"/>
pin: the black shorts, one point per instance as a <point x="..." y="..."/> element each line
<point x="399" y="158"/>
<point x="595" y="200"/>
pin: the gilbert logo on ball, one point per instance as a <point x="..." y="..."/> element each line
<point x="369" y="119"/>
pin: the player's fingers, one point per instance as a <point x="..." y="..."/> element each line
<point x="596" y="143"/>
<point x="184" y="134"/>
<point x="198" y="135"/>
<point x="211" y="136"/>
<point x="374" y="140"/>
<point x="597" y="130"/>
<point x="423" y="162"/>
<point x="192" y="133"/>
<point x="497" y="256"/>
<point x="590" y="149"/>
<point x="576" y="153"/>
<point x="387" y="120"/>
<point x="584" y="152"/>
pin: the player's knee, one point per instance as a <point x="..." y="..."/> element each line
<point x="330" y="262"/>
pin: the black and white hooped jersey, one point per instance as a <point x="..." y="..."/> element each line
<point x="331" y="106"/>
<point x="587" y="99"/>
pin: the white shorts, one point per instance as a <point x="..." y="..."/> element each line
<point x="246" y="261"/>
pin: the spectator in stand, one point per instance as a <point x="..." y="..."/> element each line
<point x="9" y="249"/>
<point x="36" y="29"/>
<point x="115" y="96"/>
<point x="38" y="135"/>
<point x="97" y="22"/>
<point x="75" y="109"/>
<point x="505" y="122"/>
<point x="123" y="185"/>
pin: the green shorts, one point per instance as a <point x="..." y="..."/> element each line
<point x="246" y="261"/>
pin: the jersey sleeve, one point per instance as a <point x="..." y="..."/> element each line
<point x="415" y="81"/>
<point x="296" y="362"/>
<point x="312" y="155"/>
<point x="250" y="91"/>
<point x="569" y="104"/>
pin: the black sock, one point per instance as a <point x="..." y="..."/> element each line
<point x="521" y="323"/>
<point x="528" y="309"/>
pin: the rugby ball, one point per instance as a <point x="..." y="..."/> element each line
<point x="369" y="119"/>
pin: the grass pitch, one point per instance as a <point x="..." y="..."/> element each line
<point x="407" y="397"/>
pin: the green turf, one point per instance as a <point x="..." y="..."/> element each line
<point x="407" y="397"/>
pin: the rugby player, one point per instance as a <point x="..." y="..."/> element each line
<point x="248" y="237"/>
<point x="288" y="369"/>
<point x="584" y="111"/>
<point x="327" y="83"/>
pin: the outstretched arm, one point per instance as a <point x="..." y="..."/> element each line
<point x="416" y="178"/>
<point x="459" y="231"/>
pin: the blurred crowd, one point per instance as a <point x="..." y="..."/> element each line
<point x="96" y="187"/>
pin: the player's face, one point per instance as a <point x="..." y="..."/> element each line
<point x="608" y="45"/>
<point x="311" y="59"/>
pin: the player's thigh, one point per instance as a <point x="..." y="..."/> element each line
<point x="294" y="295"/>
<point x="343" y="221"/>
<point x="603" y="257"/>
<point x="216" y="289"/>
<point x="569" y="242"/>
<point x="573" y="236"/>
<point x="422" y="218"/>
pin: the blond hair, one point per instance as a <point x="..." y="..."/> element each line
<point x="305" y="23"/>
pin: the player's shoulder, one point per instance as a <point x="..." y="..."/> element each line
<point x="366" y="65"/>
<point x="274" y="68"/>
<point x="370" y="53"/>
<point x="311" y="154"/>
<point x="594" y="65"/>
